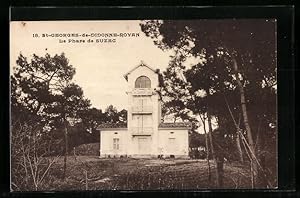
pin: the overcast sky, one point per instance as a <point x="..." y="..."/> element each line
<point x="99" y="66"/>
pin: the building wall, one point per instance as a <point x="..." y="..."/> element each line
<point x="173" y="142"/>
<point x="107" y="144"/>
<point x="170" y="142"/>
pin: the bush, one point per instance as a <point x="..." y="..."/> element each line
<point x="88" y="149"/>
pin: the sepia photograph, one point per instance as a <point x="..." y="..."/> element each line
<point x="143" y="105"/>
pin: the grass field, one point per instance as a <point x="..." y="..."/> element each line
<point x="92" y="173"/>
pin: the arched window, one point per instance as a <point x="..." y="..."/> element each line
<point x="142" y="82"/>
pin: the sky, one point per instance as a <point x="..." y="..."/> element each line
<point x="99" y="66"/>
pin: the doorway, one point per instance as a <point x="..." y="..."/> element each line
<point x="144" y="146"/>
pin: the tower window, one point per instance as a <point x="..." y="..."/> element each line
<point x="142" y="82"/>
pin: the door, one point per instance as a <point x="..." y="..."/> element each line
<point x="142" y="104"/>
<point x="144" y="145"/>
<point x="142" y="124"/>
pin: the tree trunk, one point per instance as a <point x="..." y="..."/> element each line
<point x="220" y="167"/>
<point x="238" y="140"/>
<point x="66" y="150"/>
<point x="238" y="145"/>
<point x="262" y="182"/>
<point x="219" y="139"/>
<point x="207" y="149"/>
<point x="212" y="148"/>
<point x="245" y="116"/>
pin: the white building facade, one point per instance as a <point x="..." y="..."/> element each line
<point x="145" y="135"/>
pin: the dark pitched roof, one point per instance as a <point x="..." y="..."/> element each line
<point x="161" y="125"/>
<point x="175" y="125"/>
<point x="112" y="125"/>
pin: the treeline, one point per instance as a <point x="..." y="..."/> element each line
<point x="49" y="116"/>
<point x="223" y="72"/>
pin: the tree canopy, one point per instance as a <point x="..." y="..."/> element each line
<point x="225" y="69"/>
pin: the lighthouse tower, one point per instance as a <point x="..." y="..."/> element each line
<point x="144" y="135"/>
<point x="144" y="110"/>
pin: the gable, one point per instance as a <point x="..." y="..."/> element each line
<point x="142" y="64"/>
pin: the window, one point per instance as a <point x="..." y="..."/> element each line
<point x="116" y="145"/>
<point x="142" y="82"/>
<point x="171" y="141"/>
<point x="172" y="146"/>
